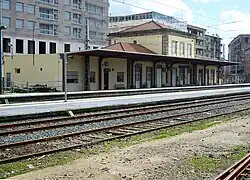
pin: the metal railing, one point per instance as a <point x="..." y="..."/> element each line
<point x="27" y="87"/>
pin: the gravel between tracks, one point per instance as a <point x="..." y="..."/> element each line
<point x="161" y="159"/>
<point x="71" y="129"/>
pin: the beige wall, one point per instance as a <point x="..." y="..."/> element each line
<point x="76" y="63"/>
<point x="179" y="40"/>
<point x="115" y="65"/>
<point x="47" y="69"/>
<point x="152" y="42"/>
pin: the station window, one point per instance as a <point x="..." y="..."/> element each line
<point x="120" y="76"/>
<point x="42" y="47"/>
<point x="72" y="77"/>
<point x="17" y="70"/>
<point x="19" y="46"/>
<point x="92" y="77"/>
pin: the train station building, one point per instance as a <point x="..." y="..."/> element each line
<point x="119" y="66"/>
<point x="150" y="55"/>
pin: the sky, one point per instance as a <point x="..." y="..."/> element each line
<point x="227" y="18"/>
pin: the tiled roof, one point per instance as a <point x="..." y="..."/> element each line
<point x="147" y="26"/>
<point x="129" y="47"/>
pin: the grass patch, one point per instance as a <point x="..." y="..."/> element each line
<point x="20" y="167"/>
<point x="204" y="164"/>
<point x="15" y="168"/>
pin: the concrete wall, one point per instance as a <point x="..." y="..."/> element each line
<point x="47" y="69"/>
<point x="152" y="42"/>
<point x="179" y="40"/>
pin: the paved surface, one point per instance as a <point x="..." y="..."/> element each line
<point x="46" y="107"/>
<point x="15" y="95"/>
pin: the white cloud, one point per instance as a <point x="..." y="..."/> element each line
<point x="176" y="8"/>
<point x="204" y="1"/>
<point x="240" y="26"/>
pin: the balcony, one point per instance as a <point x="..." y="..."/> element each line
<point x="48" y="32"/>
<point x="198" y="46"/>
<point x="53" y="2"/>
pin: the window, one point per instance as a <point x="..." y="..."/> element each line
<point x="182" y="49"/>
<point x="72" y="77"/>
<point x="120" y="76"/>
<point x="48" y="29"/>
<point x="66" y="47"/>
<point x="6" y="4"/>
<point x="6" y="21"/>
<point x="77" y="32"/>
<point x="77" y="18"/>
<point x="92" y="77"/>
<point x="31" y="9"/>
<point x="47" y="13"/>
<point x="93" y="8"/>
<point x="6" y="45"/>
<point x="67" y="2"/>
<point x="31" y="47"/>
<point x="19" y="46"/>
<point x="67" y="15"/>
<point x="42" y="47"/>
<point x="31" y="25"/>
<point x="96" y="23"/>
<point x="52" y="48"/>
<point x="17" y="70"/>
<point x="19" y="7"/>
<point x="174" y="48"/>
<point x="77" y="4"/>
<point x="189" y="50"/>
<point x="19" y="23"/>
<point x="67" y="30"/>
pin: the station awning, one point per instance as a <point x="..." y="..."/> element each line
<point x="104" y="53"/>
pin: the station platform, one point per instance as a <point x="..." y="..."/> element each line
<point x="18" y="109"/>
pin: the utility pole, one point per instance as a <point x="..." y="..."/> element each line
<point x="87" y="35"/>
<point x="1" y="59"/>
<point x="236" y="70"/>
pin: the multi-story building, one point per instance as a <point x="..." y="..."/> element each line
<point x="53" y="26"/>
<point x="213" y="47"/>
<point x="238" y="51"/>
<point x="200" y="45"/>
<point x="118" y="23"/>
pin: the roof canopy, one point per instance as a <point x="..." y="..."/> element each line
<point x="104" y="53"/>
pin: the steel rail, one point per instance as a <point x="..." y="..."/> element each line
<point x="111" y="138"/>
<point x="120" y="111"/>
<point x="109" y="118"/>
<point x="110" y="127"/>
<point x="236" y="170"/>
<point x="105" y="119"/>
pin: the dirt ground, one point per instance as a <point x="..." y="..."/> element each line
<point x="158" y="159"/>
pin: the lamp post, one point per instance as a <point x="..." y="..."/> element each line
<point x="1" y="60"/>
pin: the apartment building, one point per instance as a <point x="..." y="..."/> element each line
<point x="53" y="26"/>
<point x="206" y="46"/>
<point x="213" y="47"/>
<point x="238" y="51"/>
<point x="200" y="45"/>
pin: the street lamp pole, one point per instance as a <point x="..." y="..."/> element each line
<point x="1" y="60"/>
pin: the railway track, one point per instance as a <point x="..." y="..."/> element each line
<point x="239" y="171"/>
<point x="105" y="126"/>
